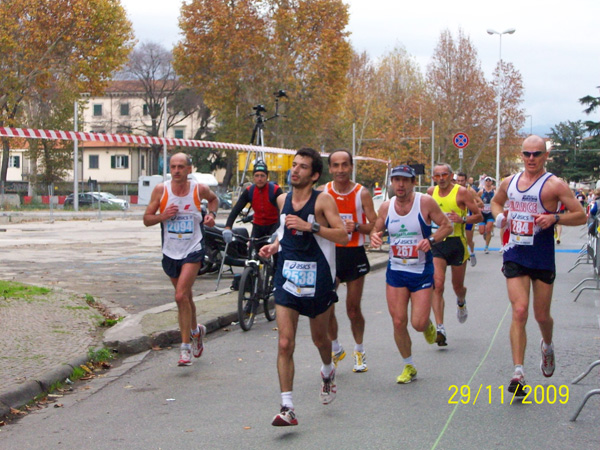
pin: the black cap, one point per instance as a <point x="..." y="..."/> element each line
<point x="403" y="170"/>
<point x="261" y="166"/>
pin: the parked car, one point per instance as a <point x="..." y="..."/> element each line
<point x="224" y="202"/>
<point x="112" y="199"/>
<point x="86" y="199"/>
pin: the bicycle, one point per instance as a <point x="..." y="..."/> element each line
<point x="256" y="283"/>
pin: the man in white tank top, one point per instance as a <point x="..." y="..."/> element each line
<point x="408" y="217"/>
<point x="178" y="203"/>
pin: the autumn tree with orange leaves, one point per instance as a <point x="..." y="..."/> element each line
<point x="238" y="52"/>
<point x="60" y="48"/>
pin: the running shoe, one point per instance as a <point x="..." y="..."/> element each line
<point x="441" y="338"/>
<point x="461" y="312"/>
<point x="486" y="250"/>
<point x="547" y="363"/>
<point x="430" y="333"/>
<point x="185" y="357"/>
<point x="198" y="342"/>
<point x="328" y="388"/>
<point x="408" y="374"/>
<point x="360" y="362"/>
<point x="473" y="259"/>
<point x="285" y="418"/>
<point x="517" y="384"/>
<point x="558" y="241"/>
<point x="338" y="356"/>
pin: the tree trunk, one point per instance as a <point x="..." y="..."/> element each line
<point x="5" y="155"/>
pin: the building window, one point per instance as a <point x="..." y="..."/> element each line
<point x="119" y="162"/>
<point x="97" y="110"/>
<point x="14" y="161"/>
<point x="98" y="130"/>
<point x="94" y="162"/>
<point x="179" y="133"/>
<point x="143" y="162"/>
<point x="124" y="109"/>
<point x="146" y="109"/>
<point x="123" y="129"/>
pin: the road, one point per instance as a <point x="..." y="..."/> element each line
<point x="117" y="261"/>
<point x="228" y="398"/>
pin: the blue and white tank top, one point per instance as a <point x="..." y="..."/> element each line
<point x="486" y="198"/>
<point x="182" y="234"/>
<point x="405" y="233"/>
<point x="306" y="263"/>
<point x="528" y="245"/>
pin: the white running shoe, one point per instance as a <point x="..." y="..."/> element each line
<point x="328" y="388"/>
<point x="461" y="312"/>
<point x="360" y="362"/>
<point x="473" y="259"/>
<point x="198" y="342"/>
<point x="185" y="357"/>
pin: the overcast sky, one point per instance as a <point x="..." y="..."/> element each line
<point x="556" y="46"/>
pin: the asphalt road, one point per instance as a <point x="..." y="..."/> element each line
<point x="228" y="398"/>
<point x="114" y="260"/>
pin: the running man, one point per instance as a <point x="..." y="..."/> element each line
<point x="461" y="178"/>
<point x="486" y="226"/>
<point x="455" y="201"/>
<point x="355" y="205"/>
<point x="534" y="197"/>
<point x="180" y="217"/>
<point x="309" y="227"/>
<point x="409" y="276"/>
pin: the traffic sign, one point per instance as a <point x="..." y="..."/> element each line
<point x="460" y="140"/>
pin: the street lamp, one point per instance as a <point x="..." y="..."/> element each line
<point x="490" y="31"/>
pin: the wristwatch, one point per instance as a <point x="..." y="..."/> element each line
<point x="356" y="227"/>
<point x="315" y="227"/>
<point x="464" y="219"/>
<point x="212" y="213"/>
<point x="431" y="240"/>
<point x="556" y="218"/>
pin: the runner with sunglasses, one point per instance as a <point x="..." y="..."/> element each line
<point x="534" y="197"/>
<point x="455" y="201"/>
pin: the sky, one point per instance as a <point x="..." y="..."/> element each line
<point x="556" y="45"/>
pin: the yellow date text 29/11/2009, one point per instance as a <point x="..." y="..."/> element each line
<point x="489" y="394"/>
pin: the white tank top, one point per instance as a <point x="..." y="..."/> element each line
<point x="405" y="233"/>
<point x="182" y="233"/>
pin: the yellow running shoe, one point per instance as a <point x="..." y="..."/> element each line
<point x="430" y="333"/>
<point x="337" y="357"/>
<point x="408" y="374"/>
<point x="360" y="362"/>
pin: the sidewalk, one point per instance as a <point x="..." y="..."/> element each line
<point x="43" y="340"/>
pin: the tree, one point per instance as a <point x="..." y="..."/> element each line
<point x="150" y="67"/>
<point x="569" y="158"/>
<point x="464" y="101"/>
<point x="238" y="52"/>
<point x="79" y="42"/>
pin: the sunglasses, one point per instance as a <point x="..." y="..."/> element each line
<point x="530" y="154"/>
<point x="437" y="176"/>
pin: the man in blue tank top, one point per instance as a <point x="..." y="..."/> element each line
<point x="309" y="228"/>
<point x="532" y="199"/>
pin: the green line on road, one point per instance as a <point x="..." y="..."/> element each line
<point x="437" y="441"/>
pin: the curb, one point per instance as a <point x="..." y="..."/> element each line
<point x="23" y="394"/>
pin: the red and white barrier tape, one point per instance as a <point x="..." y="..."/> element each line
<point x="29" y="133"/>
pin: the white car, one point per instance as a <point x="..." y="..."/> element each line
<point x="112" y="199"/>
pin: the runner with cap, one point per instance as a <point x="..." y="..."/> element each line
<point x="408" y="217"/>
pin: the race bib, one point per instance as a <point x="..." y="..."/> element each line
<point x="487" y="207"/>
<point x="521" y="229"/>
<point x="181" y="227"/>
<point x="301" y="278"/>
<point x="405" y="252"/>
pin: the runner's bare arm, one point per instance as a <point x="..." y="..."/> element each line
<point x="376" y="235"/>
<point x="500" y="197"/>
<point x="150" y="216"/>
<point x="328" y="216"/>
<point x="435" y="214"/>
<point x="470" y="204"/>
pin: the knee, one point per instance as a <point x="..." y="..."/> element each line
<point x="420" y="324"/>
<point x="181" y="298"/>
<point x="520" y="313"/>
<point x="400" y="323"/>
<point x="438" y="285"/>
<point x="543" y="317"/>
<point x="354" y="312"/>
<point x="286" y="346"/>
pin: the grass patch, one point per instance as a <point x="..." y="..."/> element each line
<point x="90" y="300"/>
<point x="100" y="355"/>
<point x="12" y="289"/>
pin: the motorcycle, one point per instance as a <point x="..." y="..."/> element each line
<point x="237" y="251"/>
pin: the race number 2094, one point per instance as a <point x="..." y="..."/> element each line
<point x="537" y="394"/>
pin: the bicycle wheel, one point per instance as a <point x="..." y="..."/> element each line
<point x="247" y="298"/>
<point x="269" y="299"/>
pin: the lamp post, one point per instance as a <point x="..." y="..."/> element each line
<point x="508" y="31"/>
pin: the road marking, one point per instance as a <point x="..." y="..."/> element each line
<point x="437" y="441"/>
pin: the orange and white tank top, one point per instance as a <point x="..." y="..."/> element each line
<point x="350" y="208"/>
<point x="182" y="233"/>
